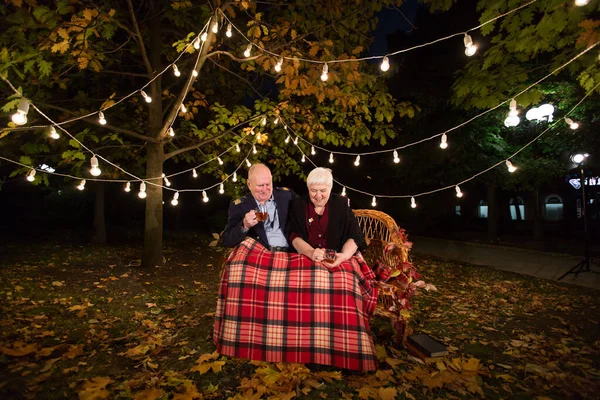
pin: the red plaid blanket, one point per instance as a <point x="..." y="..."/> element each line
<point x="282" y="307"/>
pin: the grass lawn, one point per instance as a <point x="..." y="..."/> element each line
<point x="79" y="322"/>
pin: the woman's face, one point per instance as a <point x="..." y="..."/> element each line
<point x="319" y="194"/>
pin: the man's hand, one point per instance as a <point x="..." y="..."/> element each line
<point x="250" y="219"/>
<point x="339" y="258"/>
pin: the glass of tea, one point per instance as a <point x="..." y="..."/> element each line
<point x="261" y="216"/>
<point x="329" y="256"/>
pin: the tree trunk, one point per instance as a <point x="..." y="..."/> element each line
<point x="153" y="228"/>
<point x="99" y="236"/>
<point x="492" y="213"/>
<point x="538" y="223"/>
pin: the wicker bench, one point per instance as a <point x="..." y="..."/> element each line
<point x="379" y="229"/>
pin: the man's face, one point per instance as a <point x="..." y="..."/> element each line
<point x="319" y="194"/>
<point x="261" y="184"/>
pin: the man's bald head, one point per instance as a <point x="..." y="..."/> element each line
<point x="260" y="182"/>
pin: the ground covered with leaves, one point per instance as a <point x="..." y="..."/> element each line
<point x="83" y="322"/>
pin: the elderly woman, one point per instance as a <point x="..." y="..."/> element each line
<point x="311" y="307"/>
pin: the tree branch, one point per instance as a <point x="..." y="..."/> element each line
<point x="140" y="41"/>
<point x="106" y="71"/>
<point x="214" y="53"/>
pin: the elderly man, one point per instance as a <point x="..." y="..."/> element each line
<point x="244" y="220"/>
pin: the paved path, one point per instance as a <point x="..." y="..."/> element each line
<point x="528" y="262"/>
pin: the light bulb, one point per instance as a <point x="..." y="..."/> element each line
<point x="444" y="141"/>
<point x="95" y="171"/>
<point x="253" y="149"/>
<point x="324" y="75"/>
<point x="276" y="121"/>
<point x="511" y="121"/>
<point x="264" y="121"/>
<point x="20" y="117"/>
<point x="287" y="139"/>
<point x="374" y="202"/>
<point x="303" y="158"/>
<point x="258" y="136"/>
<point x="581" y="3"/>
<point x="357" y="161"/>
<point x="385" y="64"/>
<point x="142" y="193"/>
<point x="221" y="188"/>
<point x="458" y="192"/>
<point x="469" y="51"/>
<point x="146" y="97"/>
<point x="183" y="108"/>
<point x="413" y="203"/>
<point x="194" y="73"/>
<point x="312" y="150"/>
<point x="176" y="71"/>
<point x="331" y="158"/>
<point x="573" y="125"/>
<point x="510" y="166"/>
<point x="197" y="43"/>
<point x="248" y="163"/>
<point x="101" y="118"/>
<point x="278" y="65"/>
<point x="175" y="200"/>
<point x="296" y="140"/>
<point x="237" y="148"/>
<point x="194" y="173"/>
<point x="171" y="132"/>
<point x="31" y="175"/>
<point x="215" y="27"/>
<point x="234" y="176"/>
<point x="470" y="48"/>
<point x="228" y="33"/>
<point x="204" y="36"/>
<point x="396" y="158"/>
<point x="53" y="134"/>
<point x="344" y="191"/>
<point x="248" y="50"/>
<point x="81" y="185"/>
<point x="204" y="196"/>
<point x="219" y="161"/>
<point x="128" y="187"/>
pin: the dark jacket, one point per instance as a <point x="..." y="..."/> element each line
<point x="342" y="223"/>
<point x="233" y="234"/>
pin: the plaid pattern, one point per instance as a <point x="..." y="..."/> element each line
<point x="282" y="307"/>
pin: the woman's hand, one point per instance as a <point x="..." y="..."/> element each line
<point x="317" y="255"/>
<point x="339" y="258"/>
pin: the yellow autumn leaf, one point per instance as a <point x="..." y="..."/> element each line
<point x="389" y="393"/>
<point x="88" y="14"/>
<point x="149" y="394"/>
<point x="63" y="33"/>
<point x="112" y="12"/>
<point x="207" y="356"/>
<point x="19" y="351"/>
<point x="472" y="365"/>
<point x="95" y="388"/>
<point x="60" y="47"/>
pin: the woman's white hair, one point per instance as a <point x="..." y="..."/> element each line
<point x="320" y="176"/>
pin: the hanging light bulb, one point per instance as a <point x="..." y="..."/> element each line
<point x="296" y="140"/>
<point x="513" y="112"/>
<point x="581" y="3"/>
<point x="204" y="196"/>
<point x="374" y="202"/>
<point x="458" y="192"/>
<point x="234" y="176"/>
<point x="142" y="192"/>
<point x="101" y="118"/>
<point x="344" y="191"/>
<point x="228" y="32"/>
<point x="176" y="71"/>
<point x="194" y="173"/>
<point x="253" y="149"/>
<point x="385" y="64"/>
<point x="264" y="121"/>
<point x="248" y="163"/>
<point x="413" y="203"/>
<point x="221" y="188"/>
<point x="444" y="142"/>
<point x="20" y="117"/>
<point x="219" y="161"/>
<point x="312" y="150"/>
<point x="95" y="171"/>
<point x="512" y="119"/>
<point x="276" y="121"/>
<point x="175" y="200"/>
<point x="510" y="166"/>
<point x="324" y="75"/>
<point x="470" y="48"/>
<point x="573" y="125"/>
<point x="183" y="108"/>
<point x="171" y="132"/>
<point x="215" y="27"/>
<point x="258" y="136"/>
<point x="303" y="158"/>
<point x="146" y="97"/>
<point x="53" y="134"/>
<point x="31" y="175"/>
<point x="287" y="139"/>
<point x="331" y="158"/>
<point x="237" y="148"/>
<point x="166" y="180"/>
<point x="284" y="126"/>
<point x="194" y="73"/>
<point x="248" y="50"/>
<point x="396" y="158"/>
<point x="357" y="161"/>
<point x="278" y="65"/>
<point x="128" y="187"/>
<point x="81" y="185"/>
<point x="252" y="132"/>
<point x="204" y="37"/>
<point x="197" y="43"/>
